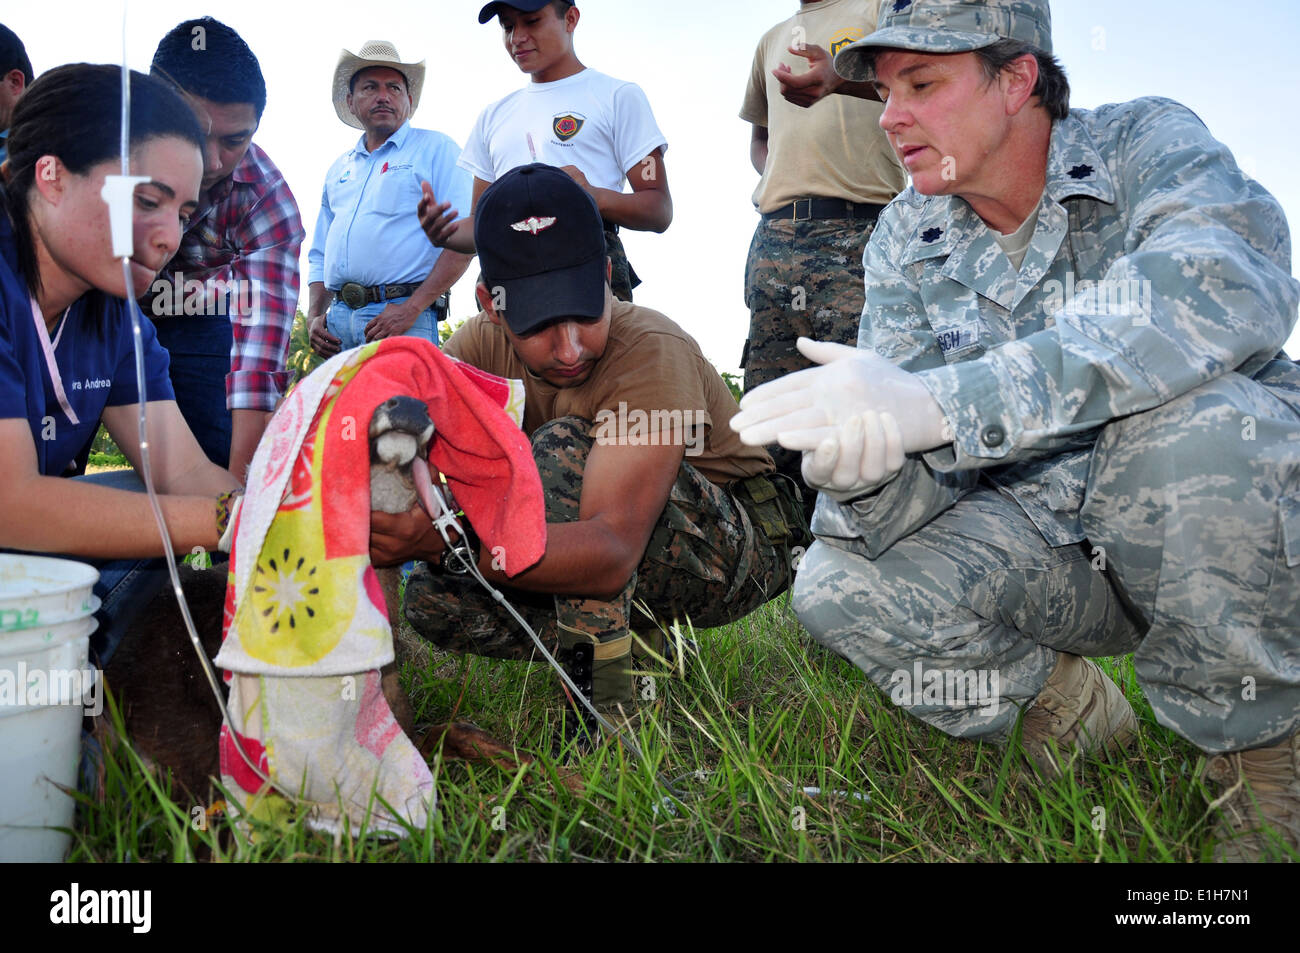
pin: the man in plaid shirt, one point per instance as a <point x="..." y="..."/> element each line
<point x="224" y="305"/>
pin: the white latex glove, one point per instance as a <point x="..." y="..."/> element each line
<point x="861" y="455"/>
<point x="797" y="410"/>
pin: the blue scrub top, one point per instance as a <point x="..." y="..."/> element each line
<point x="94" y="357"/>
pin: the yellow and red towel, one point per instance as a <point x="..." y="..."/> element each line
<point x="306" y="627"/>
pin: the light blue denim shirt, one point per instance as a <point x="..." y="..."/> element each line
<point x="368" y="230"/>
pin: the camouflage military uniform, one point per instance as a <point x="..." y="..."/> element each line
<point x="707" y="562"/>
<point x="1126" y="468"/>
<point x="622" y="278"/>
<point x="801" y="279"/>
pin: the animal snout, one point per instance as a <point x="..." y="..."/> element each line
<point x="405" y="415"/>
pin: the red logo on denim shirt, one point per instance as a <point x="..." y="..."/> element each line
<point x="384" y="169"/>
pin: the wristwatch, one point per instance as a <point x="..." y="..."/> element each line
<point x="454" y="556"/>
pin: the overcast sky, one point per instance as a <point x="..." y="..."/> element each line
<point x="1236" y="65"/>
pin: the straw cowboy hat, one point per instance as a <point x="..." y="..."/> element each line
<point x="373" y="53"/>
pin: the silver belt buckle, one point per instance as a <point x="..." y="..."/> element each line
<point x="808" y="205"/>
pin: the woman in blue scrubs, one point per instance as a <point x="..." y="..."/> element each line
<point x="66" y="350"/>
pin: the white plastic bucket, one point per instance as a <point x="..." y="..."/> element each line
<point x="46" y="609"/>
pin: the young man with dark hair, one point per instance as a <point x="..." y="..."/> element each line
<point x="1069" y="429"/>
<point x="649" y="495"/>
<point x="224" y="305"/>
<point x="598" y="129"/>
<point x="15" y="76"/>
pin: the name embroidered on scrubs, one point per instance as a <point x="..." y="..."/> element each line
<point x="56" y="380"/>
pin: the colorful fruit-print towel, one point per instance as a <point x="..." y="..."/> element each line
<point x="306" y="627"/>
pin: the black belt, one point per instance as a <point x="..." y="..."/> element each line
<point x="356" y="295"/>
<point x="804" y="210"/>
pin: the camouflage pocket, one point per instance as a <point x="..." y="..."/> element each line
<point x="1290" y="511"/>
<point x="698" y="534"/>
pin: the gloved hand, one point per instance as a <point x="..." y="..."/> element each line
<point x="796" y="410"/>
<point x="861" y="455"/>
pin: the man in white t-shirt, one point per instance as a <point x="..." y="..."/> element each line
<point x="598" y="129"/>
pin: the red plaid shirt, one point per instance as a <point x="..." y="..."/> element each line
<point x="249" y="232"/>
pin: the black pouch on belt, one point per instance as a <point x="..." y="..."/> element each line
<point x="776" y="508"/>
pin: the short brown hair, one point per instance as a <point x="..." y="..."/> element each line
<point x="1052" y="88"/>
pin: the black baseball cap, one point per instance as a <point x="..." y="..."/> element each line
<point x="540" y="238"/>
<point x="524" y="6"/>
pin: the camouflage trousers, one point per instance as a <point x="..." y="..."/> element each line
<point x="801" y="279"/>
<point x="706" y="563"/>
<point x="1191" y="562"/>
<point x="622" y="278"/>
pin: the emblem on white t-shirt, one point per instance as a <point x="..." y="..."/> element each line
<point x="566" y="125"/>
<point x="842" y="38"/>
<point x="534" y="224"/>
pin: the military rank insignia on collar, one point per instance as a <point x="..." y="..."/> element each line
<point x="1080" y="172"/>
<point x="931" y="235"/>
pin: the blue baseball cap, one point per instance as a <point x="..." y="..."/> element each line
<point x="541" y="240"/>
<point x="523" y="6"/>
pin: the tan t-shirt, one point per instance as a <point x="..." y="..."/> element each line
<point x="651" y="386"/>
<point x="835" y="148"/>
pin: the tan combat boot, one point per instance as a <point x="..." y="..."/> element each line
<point x="603" y="674"/>
<point x="1077" y="707"/>
<point x="1261" y="787"/>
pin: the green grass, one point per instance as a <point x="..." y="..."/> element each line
<point x="762" y="714"/>
<point x="107" y="461"/>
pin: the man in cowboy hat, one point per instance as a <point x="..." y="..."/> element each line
<point x="372" y="272"/>
<point x="1070" y="429"/>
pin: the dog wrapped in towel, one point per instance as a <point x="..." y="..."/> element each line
<point x="306" y="628"/>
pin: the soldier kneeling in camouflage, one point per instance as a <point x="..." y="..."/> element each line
<point x="650" y="495"/>
<point x="1069" y="429"/>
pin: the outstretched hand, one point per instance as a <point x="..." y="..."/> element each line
<point x="438" y="219"/>
<point x="819" y="81"/>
